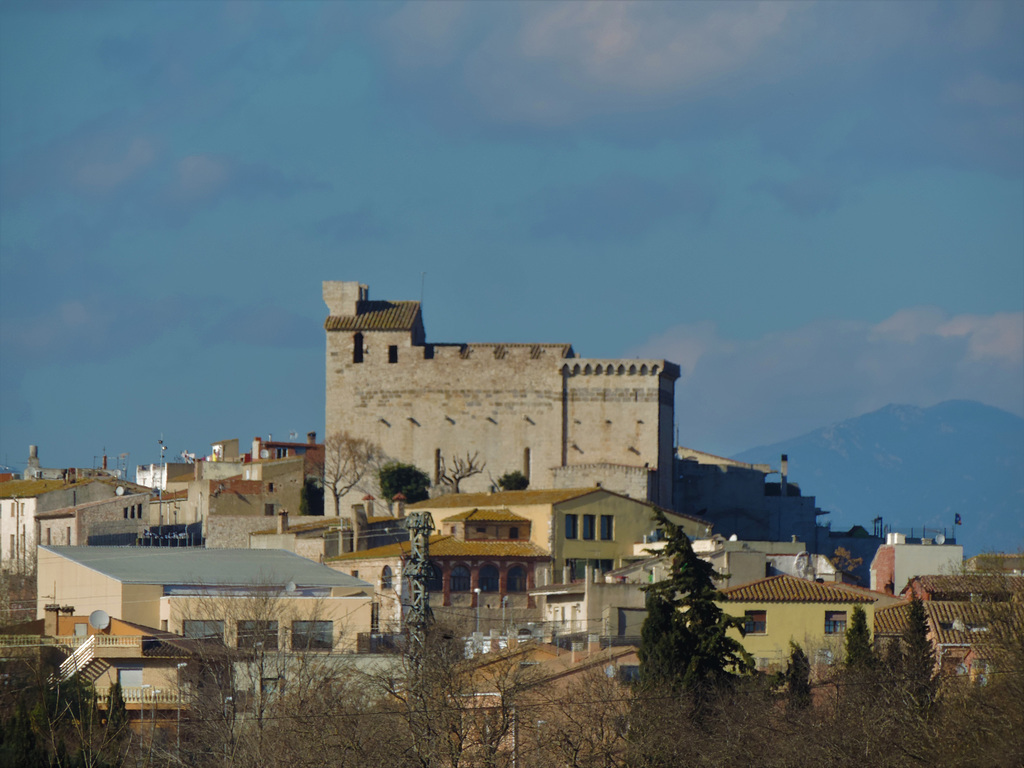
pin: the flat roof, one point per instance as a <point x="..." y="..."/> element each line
<point x="194" y="565"/>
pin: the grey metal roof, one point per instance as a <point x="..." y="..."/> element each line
<point x="208" y="567"/>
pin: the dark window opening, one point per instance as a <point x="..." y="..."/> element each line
<point x="835" y="622"/>
<point x="488" y="579"/>
<point x="257" y="633"/>
<point x="513" y="532"/>
<point x="516" y="579"/>
<point x="393" y="353"/>
<point x="357" y="348"/>
<point x="571" y="526"/>
<point x="203" y="630"/>
<point x="459" y="579"/>
<point x="755" y="622"/>
<point x="607" y="527"/>
<point x="588" y="527"/>
<point x="312" y="635"/>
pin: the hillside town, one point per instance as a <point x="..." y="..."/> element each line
<point x="490" y="554"/>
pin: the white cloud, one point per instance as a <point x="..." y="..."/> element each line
<point x="107" y="174"/>
<point x="735" y="394"/>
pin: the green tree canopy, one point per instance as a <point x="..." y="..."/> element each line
<point x="513" y="481"/>
<point x="684" y="641"/>
<point x="858" y="641"/>
<point x="798" y="677"/>
<point x="396" y="477"/>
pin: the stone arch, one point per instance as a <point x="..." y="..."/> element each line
<point x="385" y="577"/>
<point x="643" y="370"/>
<point x="576" y="370"/>
<point x="516" y="579"/>
<point x="458" y="579"/>
<point x="621" y="370"/>
<point x="654" y="370"/>
<point x="632" y="370"/>
<point x="588" y="370"/>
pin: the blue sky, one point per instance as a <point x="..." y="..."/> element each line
<point x="815" y="208"/>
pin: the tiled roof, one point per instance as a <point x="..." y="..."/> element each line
<point x="962" y="586"/>
<point x="892" y="619"/>
<point x="377" y="316"/>
<point x="502" y="498"/>
<point x="786" y="589"/>
<point x="321" y="524"/>
<point x="28" y="488"/>
<point x="487" y="515"/>
<point x="966" y="622"/>
<point x="449" y="546"/>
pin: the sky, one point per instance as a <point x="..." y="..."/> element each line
<point x="816" y="209"/>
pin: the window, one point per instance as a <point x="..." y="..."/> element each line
<point x="81" y="630"/>
<point x="312" y="635"/>
<point x="516" y="579"/>
<point x="588" y="527"/>
<point x="435" y="582"/>
<point x="393" y="353"/>
<point x="756" y="622"/>
<point x="481" y="529"/>
<point x="835" y="622"/>
<point x="385" y="577"/>
<point x="459" y="579"/>
<point x="48" y="535"/>
<point x="607" y="528"/>
<point x="203" y="630"/>
<point x="126" y="513"/>
<point x="488" y="579"/>
<point x="357" y="348"/>
<point x="513" y="532"/>
<point x="526" y="463"/>
<point x="270" y="487"/>
<point x="571" y="527"/>
<point x="130" y="677"/>
<point x="69" y="535"/>
<point x="254" y="632"/>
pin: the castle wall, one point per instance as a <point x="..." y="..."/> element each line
<point x="526" y="407"/>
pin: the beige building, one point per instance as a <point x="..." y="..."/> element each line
<point x="202" y="592"/>
<point x="537" y="408"/>
<point x="579" y="527"/>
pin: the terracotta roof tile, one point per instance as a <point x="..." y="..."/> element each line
<point x="892" y="619"/>
<point x="487" y="515"/>
<point x="449" y="546"/>
<point x="962" y="586"/>
<point x="502" y="498"/>
<point x="785" y="588"/>
<point x="377" y="316"/>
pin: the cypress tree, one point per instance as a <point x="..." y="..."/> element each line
<point x="858" y="641"/>
<point x="918" y="655"/>
<point x="798" y="677"/>
<point x="684" y="642"/>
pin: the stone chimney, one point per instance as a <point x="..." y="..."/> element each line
<point x="311" y="438"/>
<point x="368" y="505"/>
<point x="282" y="521"/>
<point x="399" y="500"/>
<point x="50" y="614"/>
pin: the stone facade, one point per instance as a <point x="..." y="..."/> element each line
<point x="528" y="407"/>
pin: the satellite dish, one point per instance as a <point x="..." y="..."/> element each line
<point x="940" y="539"/>
<point x="99" y="619"/>
<point x="734" y="537"/>
<point x="264" y="454"/>
<point x="119" y="490"/>
<point x="609" y="671"/>
<point x="290" y="587"/>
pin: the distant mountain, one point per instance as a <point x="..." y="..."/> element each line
<point x="916" y="467"/>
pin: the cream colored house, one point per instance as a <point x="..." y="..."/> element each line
<point x="579" y="527"/>
<point x="235" y="595"/>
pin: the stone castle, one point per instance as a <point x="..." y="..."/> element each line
<point x="562" y="420"/>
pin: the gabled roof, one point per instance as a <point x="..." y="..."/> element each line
<point x="892" y="619"/>
<point x="377" y="316"/>
<point x="790" y="589"/>
<point x="205" y="567"/>
<point x="486" y="515"/>
<point x="449" y="547"/>
<point x="961" y="586"/>
<point x="504" y="498"/>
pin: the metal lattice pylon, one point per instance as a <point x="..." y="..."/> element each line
<point x="417" y="571"/>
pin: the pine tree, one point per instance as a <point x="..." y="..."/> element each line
<point x="684" y="642"/>
<point x="858" y="641"/>
<point x="798" y="677"/>
<point x="918" y="656"/>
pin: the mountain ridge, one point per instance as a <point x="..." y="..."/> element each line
<point x="916" y="467"/>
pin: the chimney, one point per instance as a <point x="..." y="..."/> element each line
<point x="282" y="521"/>
<point x="399" y="500"/>
<point x="566" y="575"/>
<point x="256" y="441"/>
<point x="311" y="438"/>
<point x="104" y="461"/>
<point x="368" y="505"/>
<point x="50" y="613"/>
<point x="784" y="475"/>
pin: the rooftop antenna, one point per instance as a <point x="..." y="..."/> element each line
<point x="423" y="279"/>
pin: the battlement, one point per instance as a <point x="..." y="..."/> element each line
<point x="585" y="367"/>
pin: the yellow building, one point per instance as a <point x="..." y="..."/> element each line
<point x="784" y="608"/>
<point x="579" y="527"/>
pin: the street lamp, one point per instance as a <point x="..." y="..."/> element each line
<point x="152" y="724"/>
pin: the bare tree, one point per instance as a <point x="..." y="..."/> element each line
<point x="459" y="470"/>
<point x="348" y="462"/>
